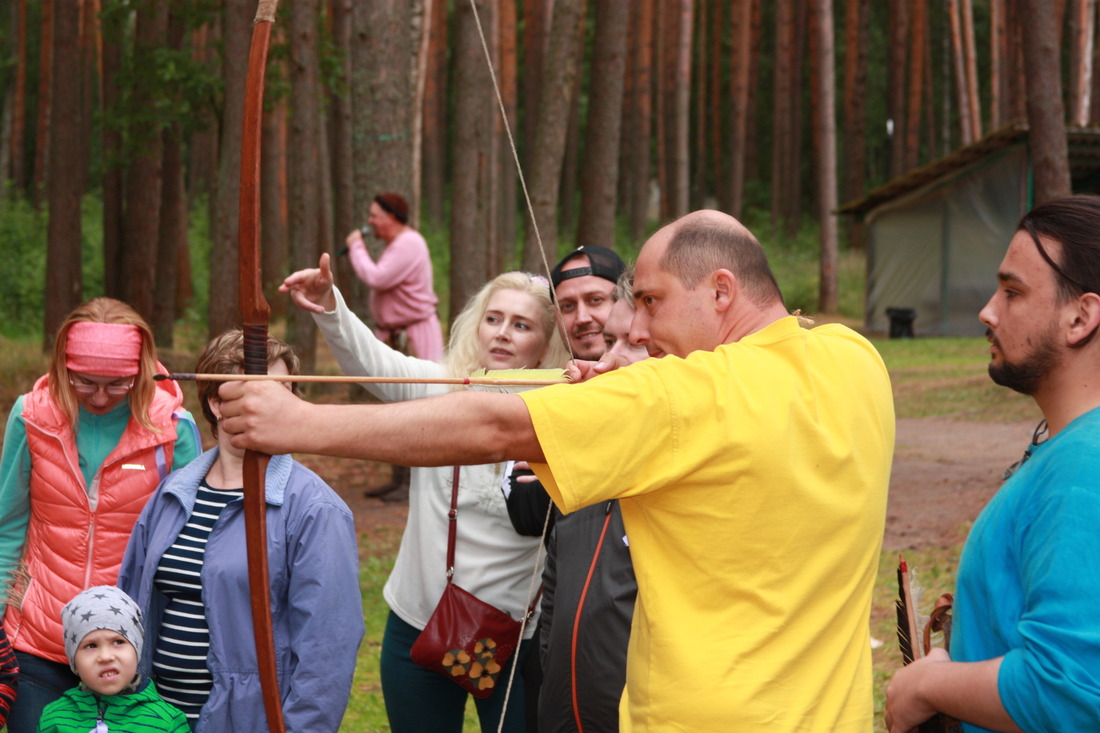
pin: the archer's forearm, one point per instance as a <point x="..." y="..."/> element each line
<point x="460" y="428"/>
<point x="967" y="691"/>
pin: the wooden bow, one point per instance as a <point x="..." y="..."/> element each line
<point x="255" y="313"/>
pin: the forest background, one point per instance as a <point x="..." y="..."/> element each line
<point x="120" y="132"/>
<point x="120" y="127"/>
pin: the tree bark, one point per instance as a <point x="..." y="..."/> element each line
<point x="470" y="154"/>
<point x="345" y="217"/>
<point x="998" y="52"/>
<point x="434" y="146"/>
<point x="899" y="44"/>
<point x="600" y="171"/>
<point x="144" y="177"/>
<point x="508" y="179"/>
<point x="19" y="106"/>
<point x="741" y="66"/>
<point x="223" y="309"/>
<point x="303" y="176"/>
<point x="537" y="16"/>
<point x="1081" y="59"/>
<point x="639" y="119"/>
<point x="67" y="172"/>
<point x="382" y="103"/>
<point x="970" y="56"/>
<point x="1045" y="112"/>
<point x="856" y="32"/>
<point x="680" y="145"/>
<point x="825" y="136"/>
<point x="45" y="99"/>
<point x="917" y="75"/>
<point x="172" y="235"/>
<point x="558" y="75"/>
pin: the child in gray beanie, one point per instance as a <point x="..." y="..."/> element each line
<point x="103" y="640"/>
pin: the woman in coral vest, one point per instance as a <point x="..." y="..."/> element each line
<point x="83" y="451"/>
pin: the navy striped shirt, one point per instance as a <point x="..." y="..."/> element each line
<point x="179" y="662"/>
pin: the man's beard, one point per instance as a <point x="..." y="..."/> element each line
<point x="1026" y="375"/>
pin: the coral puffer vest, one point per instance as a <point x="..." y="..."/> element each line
<point x="77" y="534"/>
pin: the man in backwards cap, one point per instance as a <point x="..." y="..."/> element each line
<point x="583" y="283"/>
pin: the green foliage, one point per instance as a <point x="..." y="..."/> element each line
<point x="23" y="277"/>
<point x="796" y="263"/>
<point x="23" y="242"/>
<point x="187" y="90"/>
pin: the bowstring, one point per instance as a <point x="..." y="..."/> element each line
<point x="535" y="571"/>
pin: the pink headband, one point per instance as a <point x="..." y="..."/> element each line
<point x="103" y="349"/>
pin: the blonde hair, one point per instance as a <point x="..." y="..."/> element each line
<point x="105" y="310"/>
<point x="464" y="348"/>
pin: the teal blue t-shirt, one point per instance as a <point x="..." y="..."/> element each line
<point x="1028" y="586"/>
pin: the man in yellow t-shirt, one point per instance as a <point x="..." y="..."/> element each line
<point x="751" y="463"/>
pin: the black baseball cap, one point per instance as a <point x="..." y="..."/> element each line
<point x="602" y="262"/>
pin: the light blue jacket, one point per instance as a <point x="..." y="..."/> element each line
<point x="316" y="605"/>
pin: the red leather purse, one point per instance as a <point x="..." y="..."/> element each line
<point x="467" y="640"/>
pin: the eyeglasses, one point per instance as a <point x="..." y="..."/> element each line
<point x="84" y="387"/>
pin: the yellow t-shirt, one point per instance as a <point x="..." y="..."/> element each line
<point x="753" y="486"/>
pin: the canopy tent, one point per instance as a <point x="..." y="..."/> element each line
<point x="935" y="236"/>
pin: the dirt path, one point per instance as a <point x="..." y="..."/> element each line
<point x="944" y="473"/>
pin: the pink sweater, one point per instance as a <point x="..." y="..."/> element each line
<point x="401" y="289"/>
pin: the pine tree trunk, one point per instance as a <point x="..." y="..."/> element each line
<point x="547" y="156"/>
<point x="19" y="106"/>
<point x="600" y="171"/>
<point x="825" y="137"/>
<point x="223" y="310"/>
<point x="973" y="99"/>
<point x="67" y="174"/>
<point x="473" y="121"/>
<point x="917" y="75"/>
<point x="173" y="214"/>
<point x="434" y="146"/>
<point x="899" y="45"/>
<point x="998" y="53"/>
<point x="741" y="76"/>
<point x="782" y="114"/>
<point x="639" y="120"/>
<point x="1081" y="59"/>
<point x="345" y="216"/>
<point x="45" y="98"/>
<point x="144" y="177"/>
<point x="508" y="178"/>
<point x="856" y="32"/>
<point x="1045" y="112"/>
<point x="303" y="173"/>
<point x="680" y="148"/>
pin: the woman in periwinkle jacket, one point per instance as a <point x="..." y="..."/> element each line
<point x="196" y="519"/>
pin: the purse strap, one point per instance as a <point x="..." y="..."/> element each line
<point x="452" y="534"/>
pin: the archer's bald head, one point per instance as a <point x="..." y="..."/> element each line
<point x="705" y="241"/>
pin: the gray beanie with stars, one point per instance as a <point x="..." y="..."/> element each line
<point x="101" y="607"/>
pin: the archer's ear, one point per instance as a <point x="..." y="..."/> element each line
<point x="1084" y="317"/>
<point x="726" y="289"/>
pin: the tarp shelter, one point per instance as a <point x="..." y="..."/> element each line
<point x="936" y="235"/>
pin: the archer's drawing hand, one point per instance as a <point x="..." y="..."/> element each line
<point x="263" y="416"/>
<point x="579" y="370"/>
<point x="905" y="707"/>
<point x="311" y="289"/>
